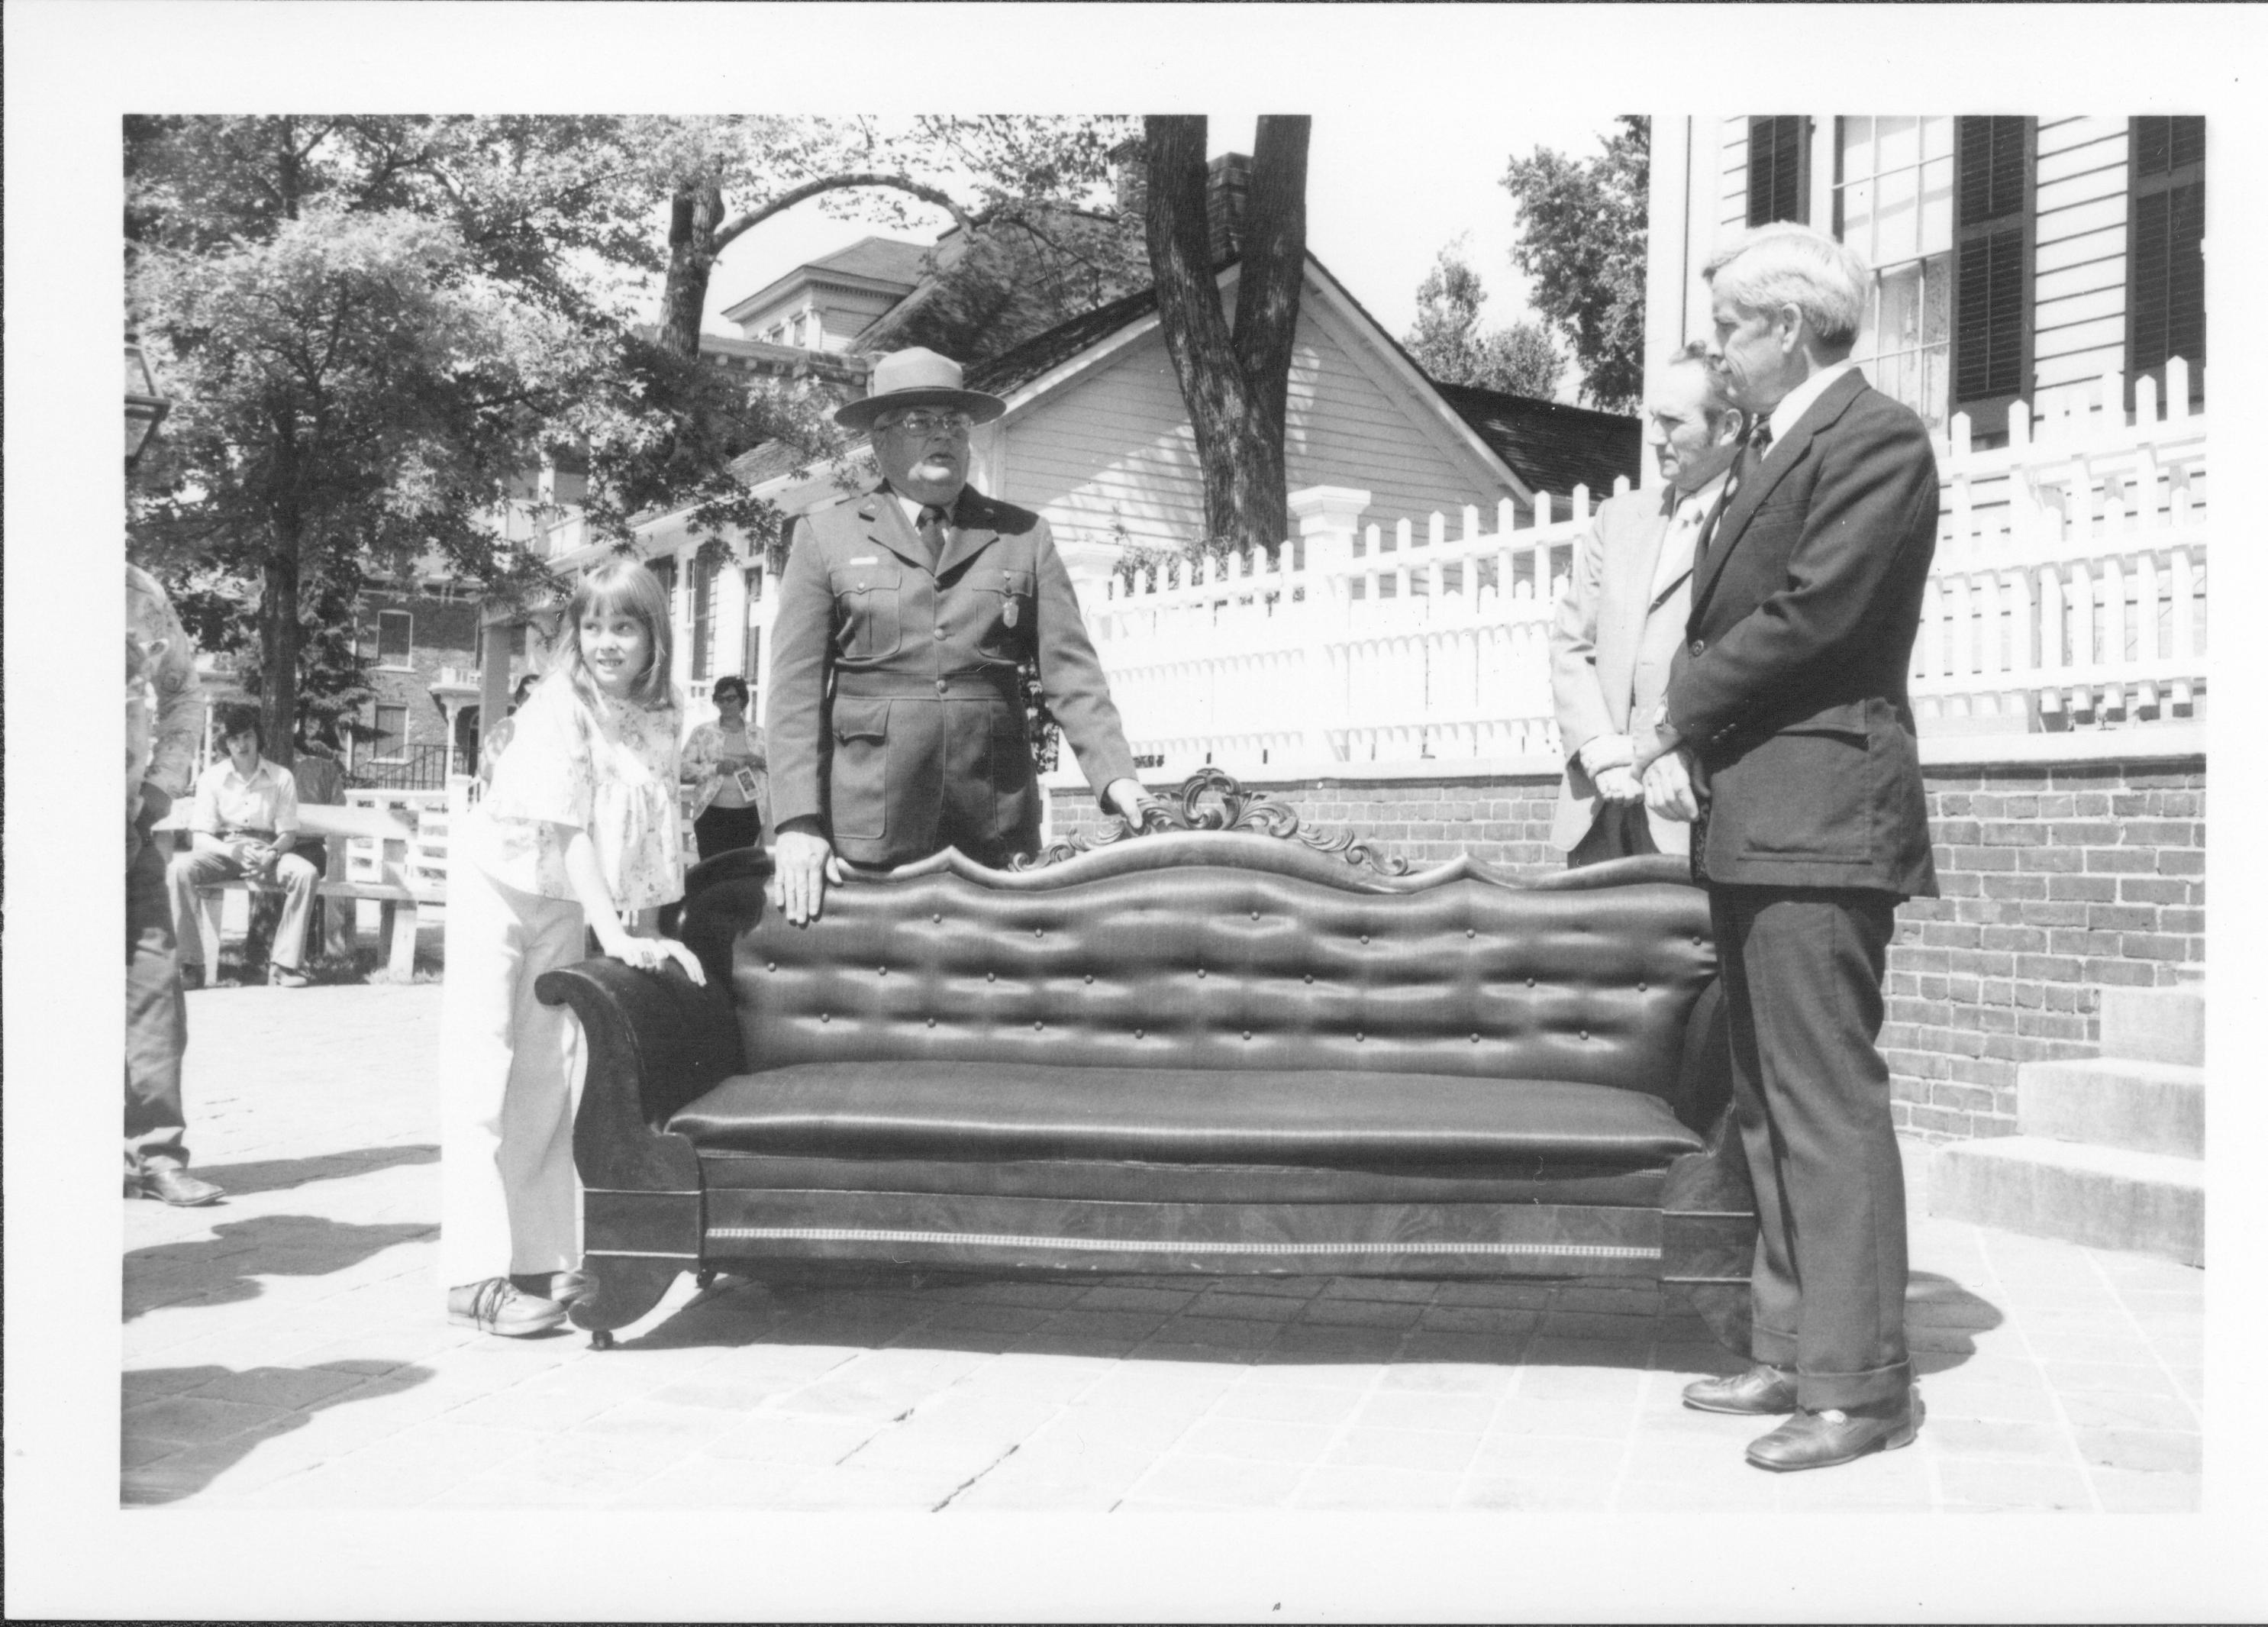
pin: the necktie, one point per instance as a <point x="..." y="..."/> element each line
<point x="1753" y="447"/>
<point x="932" y="530"/>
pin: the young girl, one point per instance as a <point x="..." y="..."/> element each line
<point x="578" y="826"/>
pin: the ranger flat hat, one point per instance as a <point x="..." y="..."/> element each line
<point x="916" y="377"/>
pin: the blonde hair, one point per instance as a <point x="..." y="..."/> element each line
<point x="620" y="586"/>
<point x="1784" y="263"/>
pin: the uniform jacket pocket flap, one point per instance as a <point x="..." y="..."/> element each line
<point x="1015" y="581"/>
<point x="860" y="578"/>
<point x="861" y="717"/>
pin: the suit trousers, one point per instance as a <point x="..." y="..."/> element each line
<point x="157" y="1017"/>
<point x="510" y="1072"/>
<point x="1803" y="981"/>
<point x="1619" y="830"/>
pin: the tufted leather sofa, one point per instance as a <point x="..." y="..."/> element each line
<point x="1206" y="1051"/>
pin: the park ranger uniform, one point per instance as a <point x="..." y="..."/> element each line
<point x="893" y="716"/>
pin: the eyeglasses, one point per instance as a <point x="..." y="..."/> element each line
<point x="932" y="423"/>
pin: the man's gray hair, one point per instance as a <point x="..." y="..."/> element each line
<point x="1715" y="403"/>
<point x="1782" y="264"/>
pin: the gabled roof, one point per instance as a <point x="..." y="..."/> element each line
<point x="1042" y="353"/>
<point x="1556" y="447"/>
<point x="886" y="264"/>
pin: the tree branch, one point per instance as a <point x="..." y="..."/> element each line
<point x="810" y="189"/>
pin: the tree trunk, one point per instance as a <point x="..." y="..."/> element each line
<point x="279" y="649"/>
<point x="695" y="214"/>
<point x="1232" y="381"/>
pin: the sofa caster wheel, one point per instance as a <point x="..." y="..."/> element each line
<point x="702" y="1278"/>
<point x="602" y="1340"/>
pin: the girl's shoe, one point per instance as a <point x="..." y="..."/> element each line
<point x="494" y="1306"/>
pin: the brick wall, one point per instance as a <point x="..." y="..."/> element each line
<point x="2057" y="880"/>
<point x="443" y="632"/>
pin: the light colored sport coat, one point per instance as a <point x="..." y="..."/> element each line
<point x="1612" y="641"/>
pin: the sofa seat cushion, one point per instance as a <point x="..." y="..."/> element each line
<point x="973" y="1111"/>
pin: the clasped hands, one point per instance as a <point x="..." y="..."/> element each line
<point x="1651" y="768"/>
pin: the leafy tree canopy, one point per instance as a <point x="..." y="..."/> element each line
<point x="1449" y="341"/>
<point x="1581" y="237"/>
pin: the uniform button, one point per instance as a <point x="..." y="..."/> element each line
<point x="938" y="632"/>
<point x="940" y="686"/>
<point x="1698" y="647"/>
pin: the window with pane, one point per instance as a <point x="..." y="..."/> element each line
<point x="704" y="616"/>
<point x="751" y="636"/>
<point x="394" y="627"/>
<point x="391" y="725"/>
<point x="1894" y="184"/>
<point x="2166" y="247"/>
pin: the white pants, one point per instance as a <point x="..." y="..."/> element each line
<point x="510" y="1072"/>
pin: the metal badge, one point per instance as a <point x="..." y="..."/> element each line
<point x="1008" y="613"/>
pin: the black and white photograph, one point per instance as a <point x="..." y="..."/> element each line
<point x="1248" y="812"/>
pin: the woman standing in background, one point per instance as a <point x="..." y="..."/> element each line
<point x="724" y="763"/>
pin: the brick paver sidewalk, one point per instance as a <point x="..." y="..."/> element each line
<point x="287" y="1349"/>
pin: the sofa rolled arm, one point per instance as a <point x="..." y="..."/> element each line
<point x="654" y="1040"/>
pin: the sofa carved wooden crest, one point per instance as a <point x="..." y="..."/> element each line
<point x="1221" y="1044"/>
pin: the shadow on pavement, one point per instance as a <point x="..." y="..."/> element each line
<point x="277" y="1174"/>
<point x="1573" y="1326"/>
<point x="172" y="1404"/>
<point x="220" y="1270"/>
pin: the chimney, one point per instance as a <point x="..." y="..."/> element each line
<point x="1228" y="179"/>
<point x="1129" y="179"/>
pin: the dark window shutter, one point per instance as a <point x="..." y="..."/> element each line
<point x="1989" y="296"/>
<point x="2168" y="283"/>
<point x="2165" y="284"/>
<point x="1992" y="168"/>
<point x="1776" y="168"/>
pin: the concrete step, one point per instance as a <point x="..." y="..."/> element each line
<point x="2106" y="1197"/>
<point x="2142" y="1107"/>
<point x="2154" y="1025"/>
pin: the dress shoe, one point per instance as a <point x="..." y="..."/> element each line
<point x="1759" y="1392"/>
<point x="287" y="978"/>
<point x="494" y="1306"/>
<point x="561" y="1288"/>
<point x="170" y="1183"/>
<point x="1822" y="1440"/>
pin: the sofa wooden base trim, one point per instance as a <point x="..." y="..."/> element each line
<point x="1113" y="1245"/>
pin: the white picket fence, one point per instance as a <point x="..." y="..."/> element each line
<point x="2068" y="590"/>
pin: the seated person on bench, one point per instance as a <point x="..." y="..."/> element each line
<point x="243" y="826"/>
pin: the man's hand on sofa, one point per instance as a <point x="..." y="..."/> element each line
<point x="1125" y="796"/>
<point x="1669" y="788"/>
<point x="803" y="865"/>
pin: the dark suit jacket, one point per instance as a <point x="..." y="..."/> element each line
<point x="1791" y="684"/>
<point x="893" y="716"/>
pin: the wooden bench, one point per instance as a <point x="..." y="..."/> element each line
<point x="395" y="836"/>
